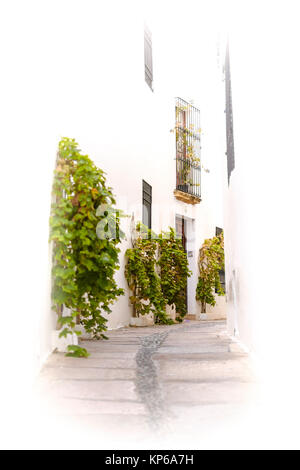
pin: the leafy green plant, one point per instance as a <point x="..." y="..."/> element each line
<point x="174" y="271"/>
<point x="76" y="351"/>
<point x="142" y="277"/>
<point x="156" y="272"/>
<point x="211" y="261"/>
<point x="83" y="263"/>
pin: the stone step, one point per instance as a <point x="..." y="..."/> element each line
<point x="190" y="316"/>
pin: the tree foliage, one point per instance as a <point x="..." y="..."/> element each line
<point x="83" y="263"/>
<point x="211" y="262"/>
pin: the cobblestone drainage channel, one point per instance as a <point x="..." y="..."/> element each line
<point x="147" y="382"/>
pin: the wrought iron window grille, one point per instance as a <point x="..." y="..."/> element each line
<point x="188" y="148"/>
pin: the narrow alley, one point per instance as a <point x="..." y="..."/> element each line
<point x="165" y="385"/>
<point x="150" y="162"/>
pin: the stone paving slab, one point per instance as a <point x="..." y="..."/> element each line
<point x="105" y="360"/>
<point x="217" y="357"/>
<point x="88" y="407"/>
<point x="91" y="373"/>
<point x="204" y="370"/>
<point x="194" y="348"/>
<point x="223" y="391"/>
<point x="90" y="389"/>
<point x="117" y="348"/>
<point x="152" y="381"/>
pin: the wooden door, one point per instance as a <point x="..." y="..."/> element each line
<point x="181" y="232"/>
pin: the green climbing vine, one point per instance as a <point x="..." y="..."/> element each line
<point x="174" y="271"/>
<point x="142" y="277"/>
<point x="156" y="272"/>
<point x="211" y="262"/>
<point x="84" y="260"/>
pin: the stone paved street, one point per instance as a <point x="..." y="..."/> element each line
<point x="178" y="386"/>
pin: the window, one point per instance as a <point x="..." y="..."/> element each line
<point x="221" y="272"/>
<point x="229" y="118"/>
<point x="180" y="225"/>
<point x="188" y="146"/>
<point x="148" y="57"/>
<point x="147" y="204"/>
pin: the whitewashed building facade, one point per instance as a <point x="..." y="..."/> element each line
<point x="111" y="84"/>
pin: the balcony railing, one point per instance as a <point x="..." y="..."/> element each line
<point x="188" y="146"/>
<point x="188" y="177"/>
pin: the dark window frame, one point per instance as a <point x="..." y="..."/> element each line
<point x="181" y="229"/>
<point x="147" y="203"/>
<point x="229" y="118"/>
<point x="148" y="58"/>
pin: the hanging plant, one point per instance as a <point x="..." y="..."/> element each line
<point x="84" y="264"/>
<point x="211" y="262"/>
<point x="174" y="271"/>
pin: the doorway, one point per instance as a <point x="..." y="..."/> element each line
<point x="181" y="231"/>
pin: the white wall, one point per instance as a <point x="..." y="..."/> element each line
<point x="77" y="70"/>
<point x="262" y="207"/>
<point x="261" y="220"/>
